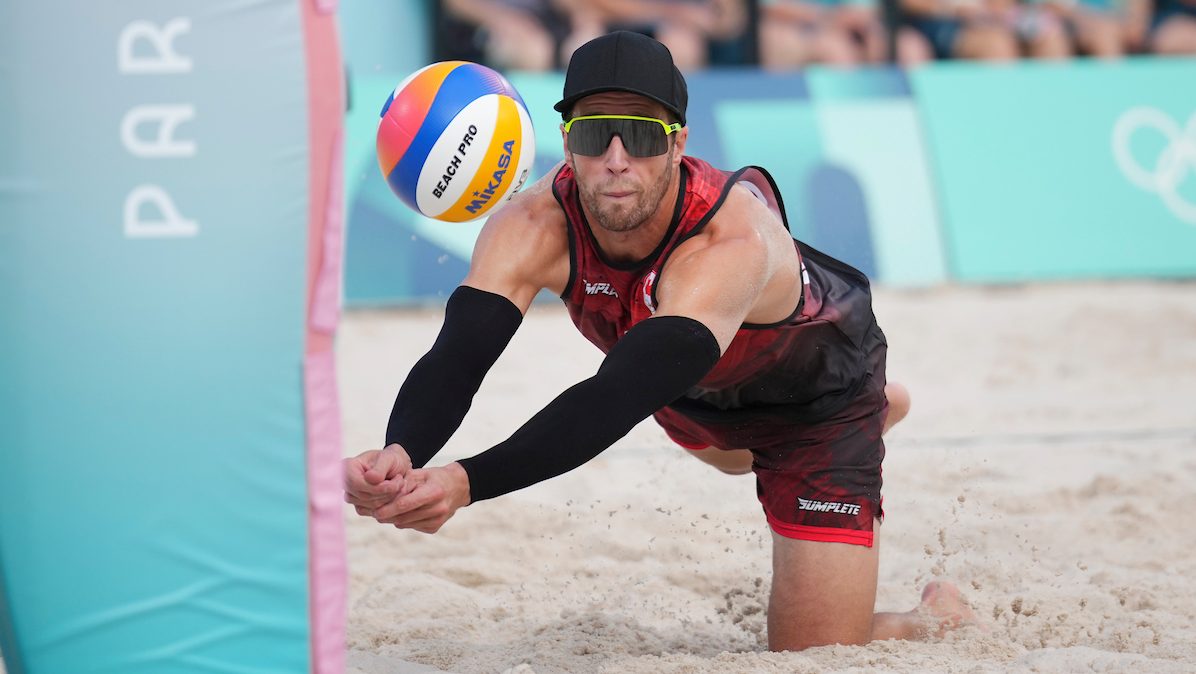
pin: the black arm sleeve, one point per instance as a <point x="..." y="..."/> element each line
<point x="438" y="391"/>
<point x="655" y="363"/>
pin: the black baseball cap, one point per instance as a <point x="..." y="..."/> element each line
<point x="625" y="61"/>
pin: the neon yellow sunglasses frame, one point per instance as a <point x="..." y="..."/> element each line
<point x="668" y="128"/>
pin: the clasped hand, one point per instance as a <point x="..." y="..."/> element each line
<point x="382" y="484"/>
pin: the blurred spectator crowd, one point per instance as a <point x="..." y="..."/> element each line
<point x="539" y="35"/>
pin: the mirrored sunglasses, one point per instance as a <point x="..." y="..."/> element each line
<point x="590" y="135"/>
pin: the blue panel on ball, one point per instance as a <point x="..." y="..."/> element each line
<point x="386" y="106"/>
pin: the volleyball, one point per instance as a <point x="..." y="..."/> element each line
<point x="455" y="141"/>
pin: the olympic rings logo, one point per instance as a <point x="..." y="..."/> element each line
<point x="1173" y="165"/>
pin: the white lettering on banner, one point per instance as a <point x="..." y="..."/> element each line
<point x="162" y="120"/>
<point x="165" y="59"/>
<point x="167" y="118"/>
<point x="1176" y="161"/>
<point x="170" y="225"/>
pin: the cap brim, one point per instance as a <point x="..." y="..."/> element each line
<point x="562" y="106"/>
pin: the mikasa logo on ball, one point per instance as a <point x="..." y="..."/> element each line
<point x="495" y="181"/>
<point x="451" y="170"/>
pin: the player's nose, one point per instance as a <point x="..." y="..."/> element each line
<point x="616" y="157"/>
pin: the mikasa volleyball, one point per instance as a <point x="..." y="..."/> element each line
<point x="455" y="141"/>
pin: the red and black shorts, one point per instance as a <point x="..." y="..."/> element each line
<point x="817" y="480"/>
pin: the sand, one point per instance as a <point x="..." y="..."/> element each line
<point x="1047" y="468"/>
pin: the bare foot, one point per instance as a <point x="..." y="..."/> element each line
<point x="946" y="608"/>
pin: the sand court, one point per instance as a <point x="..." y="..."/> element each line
<point x="1046" y="468"/>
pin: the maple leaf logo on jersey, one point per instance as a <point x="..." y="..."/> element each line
<point x="642" y="304"/>
<point x="646" y="290"/>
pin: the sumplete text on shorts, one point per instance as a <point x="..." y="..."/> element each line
<point x="827" y="507"/>
<point x="455" y="162"/>
<point x="484" y="196"/>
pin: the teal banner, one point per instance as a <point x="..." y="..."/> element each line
<point x="153" y="264"/>
<point x="1064" y="171"/>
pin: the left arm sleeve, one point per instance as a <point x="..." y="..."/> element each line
<point x="655" y="363"/>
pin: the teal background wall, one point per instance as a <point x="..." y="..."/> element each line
<point x="955" y="171"/>
<point x="1029" y="176"/>
<point x="846" y="149"/>
<point x="152" y="469"/>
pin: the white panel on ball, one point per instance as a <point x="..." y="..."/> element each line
<point x="476" y="122"/>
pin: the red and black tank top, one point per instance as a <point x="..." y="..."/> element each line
<point x="811" y="359"/>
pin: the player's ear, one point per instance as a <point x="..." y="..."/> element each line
<point x="679" y="144"/>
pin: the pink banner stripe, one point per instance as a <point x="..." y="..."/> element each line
<point x="325" y="517"/>
<point x="326" y="295"/>
<point x="328" y="577"/>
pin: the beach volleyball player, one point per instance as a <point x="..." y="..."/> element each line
<point x="753" y="351"/>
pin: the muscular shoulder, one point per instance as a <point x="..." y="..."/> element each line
<point x="524" y="247"/>
<point x="744" y="222"/>
<point x="740" y="268"/>
<point x="531" y="226"/>
<point x="737" y="241"/>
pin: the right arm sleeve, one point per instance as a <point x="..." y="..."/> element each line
<point x="438" y="391"/>
<point x="655" y="363"/>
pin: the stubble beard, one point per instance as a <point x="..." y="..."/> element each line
<point x="616" y="218"/>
